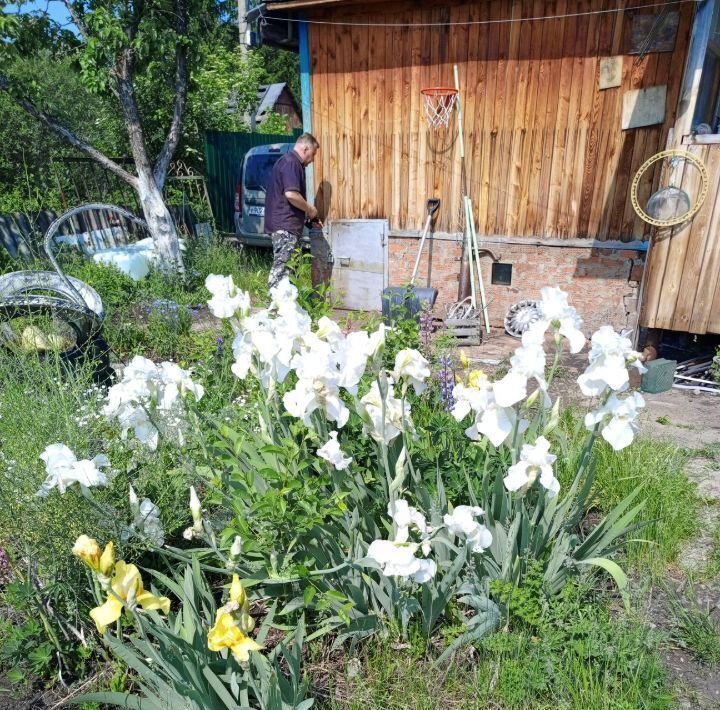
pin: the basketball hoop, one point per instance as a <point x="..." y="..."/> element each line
<point x="439" y="102"/>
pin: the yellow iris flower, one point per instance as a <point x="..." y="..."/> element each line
<point x="87" y="549"/>
<point x="127" y="587"/>
<point x="233" y="623"/>
<point x="227" y="634"/>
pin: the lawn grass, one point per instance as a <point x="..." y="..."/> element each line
<point x="669" y="498"/>
<point x="584" y="657"/>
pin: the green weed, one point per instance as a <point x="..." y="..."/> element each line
<point x="581" y="656"/>
<point x="670" y="500"/>
<point x="694" y="627"/>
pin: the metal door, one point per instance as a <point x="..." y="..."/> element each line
<point x="360" y="267"/>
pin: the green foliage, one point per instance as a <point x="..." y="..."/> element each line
<point x="35" y="640"/>
<point x="694" y="627"/>
<point x="29" y="180"/>
<point x="154" y="316"/>
<point x="177" y="669"/>
<point x="656" y="469"/>
<point x="578" y="655"/>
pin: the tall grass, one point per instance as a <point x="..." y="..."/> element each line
<point x="42" y="403"/>
<point x="669" y="497"/>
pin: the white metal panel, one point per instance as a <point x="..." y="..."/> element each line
<point x="360" y="266"/>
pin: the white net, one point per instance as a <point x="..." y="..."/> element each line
<point x="439" y="105"/>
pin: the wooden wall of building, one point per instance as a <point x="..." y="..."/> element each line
<point x="546" y="153"/>
<point x="682" y="281"/>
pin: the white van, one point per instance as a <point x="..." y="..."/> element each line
<point x="250" y="192"/>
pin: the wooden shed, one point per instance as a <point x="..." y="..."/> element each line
<point x="562" y="103"/>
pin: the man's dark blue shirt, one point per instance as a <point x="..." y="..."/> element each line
<point x="287" y="174"/>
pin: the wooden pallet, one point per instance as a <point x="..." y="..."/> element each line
<point x="466" y="331"/>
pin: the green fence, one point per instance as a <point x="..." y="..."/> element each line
<point x="224" y="152"/>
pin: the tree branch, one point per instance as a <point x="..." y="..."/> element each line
<point x="128" y="103"/>
<point x="76" y="19"/>
<point x="55" y="126"/>
<point x="181" y="88"/>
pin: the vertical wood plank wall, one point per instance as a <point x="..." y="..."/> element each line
<point x="682" y="279"/>
<point x="546" y="156"/>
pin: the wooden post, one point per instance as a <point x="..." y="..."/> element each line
<point x="699" y="39"/>
<point x="305" y="95"/>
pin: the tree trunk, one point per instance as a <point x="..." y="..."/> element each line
<point x="160" y="224"/>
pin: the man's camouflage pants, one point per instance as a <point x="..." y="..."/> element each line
<point x="284" y="245"/>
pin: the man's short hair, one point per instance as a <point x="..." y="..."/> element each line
<point x="309" y="140"/>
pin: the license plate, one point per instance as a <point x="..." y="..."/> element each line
<point x="256" y="211"/>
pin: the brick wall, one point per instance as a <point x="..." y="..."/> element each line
<point x="603" y="283"/>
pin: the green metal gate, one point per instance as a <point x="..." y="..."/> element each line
<point x="224" y="153"/>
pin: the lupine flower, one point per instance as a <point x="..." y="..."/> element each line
<point x="610" y="356"/>
<point x="332" y="454"/>
<point x="447" y="382"/>
<point x="619" y="418"/>
<point x="127" y="590"/>
<point x="461" y="522"/>
<point x="535" y="462"/>
<point x="64" y="469"/>
<point x="426" y="329"/>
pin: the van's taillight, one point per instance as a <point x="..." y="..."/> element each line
<point x="238" y="198"/>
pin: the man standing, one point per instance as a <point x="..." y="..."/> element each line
<point x="286" y="206"/>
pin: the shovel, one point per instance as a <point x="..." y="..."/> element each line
<point x="406" y="302"/>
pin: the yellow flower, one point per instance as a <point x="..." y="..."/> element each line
<point x="464" y="359"/>
<point x="475" y="378"/>
<point x="126" y="586"/>
<point x="239" y="602"/>
<point x="87" y="549"/>
<point x="227" y="634"/>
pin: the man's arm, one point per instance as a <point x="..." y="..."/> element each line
<point x="296" y="199"/>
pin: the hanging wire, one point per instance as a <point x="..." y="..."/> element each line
<point x="465" y="23"/>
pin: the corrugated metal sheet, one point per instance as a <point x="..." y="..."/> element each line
<point x="224" y="153"/>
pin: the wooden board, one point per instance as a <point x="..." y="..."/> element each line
<point x="683" y="271"/>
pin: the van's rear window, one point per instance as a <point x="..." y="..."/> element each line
<point x="258" y="169"/>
